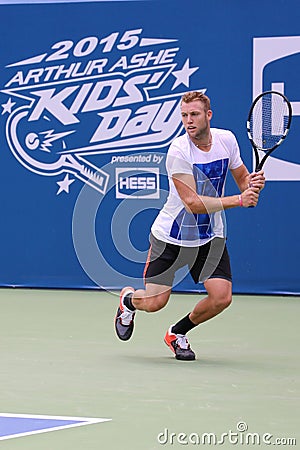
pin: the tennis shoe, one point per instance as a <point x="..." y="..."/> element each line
<point x="124" y="320"/>
<point x="179" y="345"/>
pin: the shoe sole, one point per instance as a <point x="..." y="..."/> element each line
<point x="191" y="358"/>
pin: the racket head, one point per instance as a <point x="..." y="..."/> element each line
<point x="268" y="123"/>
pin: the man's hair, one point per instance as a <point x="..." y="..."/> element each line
<point x="195" y="95"/>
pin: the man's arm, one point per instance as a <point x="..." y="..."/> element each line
<point x="200" y="204"/>
<point x="241" y="177"/>
<point x="244" y="179"/>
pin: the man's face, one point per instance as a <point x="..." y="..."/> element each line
<point x="195" y="120"/>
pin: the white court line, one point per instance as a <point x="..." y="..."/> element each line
<point x="81" y="422"/>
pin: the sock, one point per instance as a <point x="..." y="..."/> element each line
<point x="183" y="326"/>
<point x="128" y="302"/>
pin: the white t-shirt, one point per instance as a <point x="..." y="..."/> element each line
<point x="173" y="223"/>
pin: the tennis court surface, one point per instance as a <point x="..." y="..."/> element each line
<point x="61" y="360"/>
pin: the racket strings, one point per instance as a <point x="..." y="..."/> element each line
<point x="269" y="121"/>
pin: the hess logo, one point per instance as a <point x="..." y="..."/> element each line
<point x="137" y="182"/>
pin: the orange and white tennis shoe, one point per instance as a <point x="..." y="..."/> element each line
<point x="179" y="345"/>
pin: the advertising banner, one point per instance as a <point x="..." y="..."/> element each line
<point x="90" y="102"/>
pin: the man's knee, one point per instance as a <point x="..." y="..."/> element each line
<point x="156" y="297"/>
<point x="223" y="301"/>
<point x="156" y="303"/>
<point x="220" y="294"/>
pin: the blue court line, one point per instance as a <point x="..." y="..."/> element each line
<point x="17" y="425"/>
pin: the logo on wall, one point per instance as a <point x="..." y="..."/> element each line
<point x="137" y="183"/>
<point x="100" y="95"/>
<point x="275" y="67"/>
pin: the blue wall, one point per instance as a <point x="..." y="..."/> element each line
<point x="94" y="87"/>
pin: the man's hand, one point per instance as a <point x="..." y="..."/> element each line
<point x="257" y="180"/>
<point x="250" y="197"/>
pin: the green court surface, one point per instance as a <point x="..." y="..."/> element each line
<point x="60" y="357"/>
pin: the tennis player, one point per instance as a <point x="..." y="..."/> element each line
<point x="190" y="229"/>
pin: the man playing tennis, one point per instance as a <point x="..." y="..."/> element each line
<point x="189" y="230"/>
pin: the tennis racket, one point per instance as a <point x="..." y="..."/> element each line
<point x="268" y="124"/>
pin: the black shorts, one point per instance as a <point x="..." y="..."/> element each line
<point x="210" y="260"/>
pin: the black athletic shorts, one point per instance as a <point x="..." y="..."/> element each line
<point x="210" y="260"/>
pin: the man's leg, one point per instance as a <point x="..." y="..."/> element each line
<point x="219" y="297"/>
<point x="219" y="294"/>
<point x="159" y="273"/>
<point x="153" y="298"/>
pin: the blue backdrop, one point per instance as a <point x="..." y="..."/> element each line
<point x="89" y="95"/>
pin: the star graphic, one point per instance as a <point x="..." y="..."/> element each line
<point x="7" y="107"/>
<point x="183" y="76"/>
<point x="64" y="184"/>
